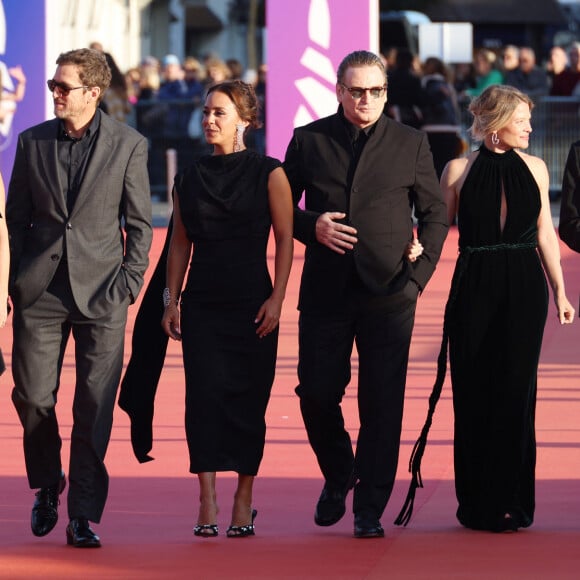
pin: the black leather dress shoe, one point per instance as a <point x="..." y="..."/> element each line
<point x="368" y="527"/>
<point x="45" y="509"/>
<point x="331" y="506"/>
<point x="80" y="535"/>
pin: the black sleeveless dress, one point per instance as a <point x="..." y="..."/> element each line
<point x="496" y="321"/>
<point x="229" y="371"/>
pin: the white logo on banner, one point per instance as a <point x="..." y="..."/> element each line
<point x="319" y="97"/>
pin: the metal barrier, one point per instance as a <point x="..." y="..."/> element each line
<point x="165" y="124"/>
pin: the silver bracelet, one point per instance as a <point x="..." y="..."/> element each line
<point x="167" y="298"/>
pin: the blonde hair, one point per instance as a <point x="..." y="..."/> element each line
<point x="493" y="109"/>
<point x="487" y="55"/>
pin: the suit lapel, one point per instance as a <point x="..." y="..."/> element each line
<point x="48" y="162"/>
<point x="368" y="163"/>
<point x="100" y="156"/>
<point x="340" y="132"/>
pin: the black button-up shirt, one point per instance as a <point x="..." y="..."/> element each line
<point x="74" y="156"/>
<point x="358" y="138"/>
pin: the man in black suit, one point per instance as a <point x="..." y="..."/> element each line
<point x="362" y="175"/>
<point x="79" y="217"/>
<point x="569" y="224"/>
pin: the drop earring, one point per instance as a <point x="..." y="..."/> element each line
<point x="494" y="139"/>
<point x="239" y="138"/>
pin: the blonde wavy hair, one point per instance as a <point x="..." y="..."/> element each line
<point x="493" y="109"/>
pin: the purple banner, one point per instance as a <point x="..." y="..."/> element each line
<point x="22" y="73"/>
<point x="307" y="39"/>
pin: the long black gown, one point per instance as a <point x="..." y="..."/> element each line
<point x="497" y="314"/>
<point x="229" y="371"/>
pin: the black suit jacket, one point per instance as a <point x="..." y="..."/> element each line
<point x="394" y="178"/>
<point x="569" y="225"/>
<point x="107" y="234"/>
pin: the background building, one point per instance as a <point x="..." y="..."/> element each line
<point x="496" y="23"/>
<point x="133" y="29"/>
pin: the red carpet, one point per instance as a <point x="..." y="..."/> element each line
<point x="146" y="529"/>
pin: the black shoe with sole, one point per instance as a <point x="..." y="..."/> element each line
<point x="331" y="506"/>
<point x="80" y="535"/>
<point x="45" y="509"/>
<point x="368" y="527"/>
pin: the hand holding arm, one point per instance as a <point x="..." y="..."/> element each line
<point x="414" y="250"/>
<point x="334" y="235"/>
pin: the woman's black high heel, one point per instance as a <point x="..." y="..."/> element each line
<point x="205" y="530"/>
<point x="243" y="531"/>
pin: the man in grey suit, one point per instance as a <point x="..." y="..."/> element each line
<point x="79" y="217"/>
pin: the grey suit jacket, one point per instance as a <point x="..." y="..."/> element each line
<point x="106" y="237"/>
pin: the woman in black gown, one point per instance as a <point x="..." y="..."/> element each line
<point x="497" y="310"/>
<point x="224" y="206"/>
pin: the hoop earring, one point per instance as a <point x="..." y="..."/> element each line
<point x="494" y="139"/>
<point x="239" y="138"/>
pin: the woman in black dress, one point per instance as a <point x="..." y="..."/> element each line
<point x="497" y="310"/>
<point x="224" y="207"/>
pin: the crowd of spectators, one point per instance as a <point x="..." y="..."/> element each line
<point x="162" y="98"/>
<point x="434" y="96"/>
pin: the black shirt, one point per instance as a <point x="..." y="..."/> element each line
<point x="358" y="138"/>
<point x="73" y="158"/>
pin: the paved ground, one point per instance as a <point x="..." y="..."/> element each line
<point x="146" y="528"/>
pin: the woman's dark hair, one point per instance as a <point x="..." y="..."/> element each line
<point x="118" y="81"/>
<point x="243" y="97"/>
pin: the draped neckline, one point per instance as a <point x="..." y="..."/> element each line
<point x="222" y="175"/>
<point x="491" y="175"/>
